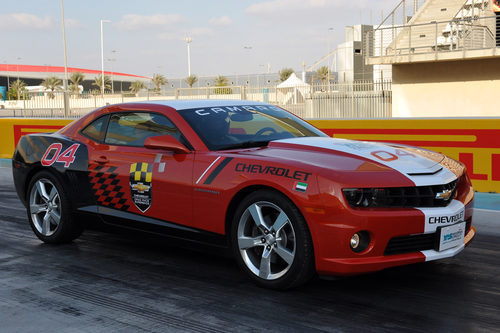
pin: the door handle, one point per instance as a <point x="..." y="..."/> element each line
<point x="101" y="160"/>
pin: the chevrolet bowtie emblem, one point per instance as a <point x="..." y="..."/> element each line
<point x="140" y="187"/>
<point x="445" y="195"/>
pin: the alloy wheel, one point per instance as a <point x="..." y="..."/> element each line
<point x="45" y="207"/>
<point x="266" y="240"/>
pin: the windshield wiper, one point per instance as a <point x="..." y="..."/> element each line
<point x="246" y="144"/>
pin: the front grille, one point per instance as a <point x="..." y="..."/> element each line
<point x="420" y="196"/>
<point x="407" y="244"/>
<point x="401" y="197"/>
<point x="416" y="243"/>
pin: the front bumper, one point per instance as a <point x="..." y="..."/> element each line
<point x="352" y="266"/>
<point x="331" y="237"/>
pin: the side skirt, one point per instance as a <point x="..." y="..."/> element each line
<point x="128" y="220"/>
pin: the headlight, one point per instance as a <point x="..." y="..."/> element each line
<point x="365" y="197"/>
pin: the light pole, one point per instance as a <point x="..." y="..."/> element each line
<point x="111" y="60"/>
<point x="65" y="81"/>
<point x="248" y="48"/>
<point x="304" y="71"/>
<point x="328" y="72"/>
<point x="188" y="40"/>
<point x="102" y="57"/>
<point x="8" y="75"/>
<point x="17" y="67"/>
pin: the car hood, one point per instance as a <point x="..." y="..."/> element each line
<point x="422" y="166"/>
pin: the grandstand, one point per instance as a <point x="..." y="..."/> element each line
<point x="439" y="30"/>
<point x="33" y="75"/>
<point x="444" y="58"/>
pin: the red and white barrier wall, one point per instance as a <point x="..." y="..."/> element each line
<point x="475" y="142"/>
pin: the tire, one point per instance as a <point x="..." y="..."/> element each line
<point x="271" y="241"/>
<point x="49" y="210"/>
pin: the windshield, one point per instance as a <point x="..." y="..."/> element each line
<point x="228" y="127"/>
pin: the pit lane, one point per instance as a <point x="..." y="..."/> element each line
<point x="106" y="282"/>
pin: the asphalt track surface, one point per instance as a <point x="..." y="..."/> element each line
<point x="106" y="282"/>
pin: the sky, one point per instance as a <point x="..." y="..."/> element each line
<point x="147" y="36"/>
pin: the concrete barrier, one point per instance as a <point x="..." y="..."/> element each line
<point x="475" y="142"/>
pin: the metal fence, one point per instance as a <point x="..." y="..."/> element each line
<point x="361" y="99"/>
<point x="459" y="34"/>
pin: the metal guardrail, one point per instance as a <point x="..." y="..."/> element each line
<point x="43" y="113"/>
<point x="460" y="34"/>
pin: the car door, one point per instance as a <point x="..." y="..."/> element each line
<point x="127" y="177"/>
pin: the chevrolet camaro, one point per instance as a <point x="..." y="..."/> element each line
<point x="286" y="199"/>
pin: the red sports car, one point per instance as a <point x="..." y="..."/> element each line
<point x="285" y="198"/>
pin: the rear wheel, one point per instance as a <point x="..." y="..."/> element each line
<point x="271" y="241"/>
<point x="49" y="210"/>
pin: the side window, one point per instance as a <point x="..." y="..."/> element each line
<point x="132" y="128"/>
<point x="95" y="130"/>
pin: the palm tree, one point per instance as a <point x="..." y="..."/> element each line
<point x="285" y="73"/>
<point x="17" y="87"/>
<point x="159" y="80"/>
<point x="98" y="82"/>
<point x="323" y="73"/>
<point x="76" y="78"/>
<point x="221" y="81"/>
<point x="136" y="86"/>
<point x="52" y="83"/>
<point x="191" y="80"/>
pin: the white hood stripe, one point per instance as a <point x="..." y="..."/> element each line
<point x="420" y="170"/>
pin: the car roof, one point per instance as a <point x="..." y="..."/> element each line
<point x="204" y="103"/>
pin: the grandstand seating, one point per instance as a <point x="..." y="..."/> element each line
<point x="457" y="24"/>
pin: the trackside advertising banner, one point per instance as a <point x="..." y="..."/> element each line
<point x="475" y="142"/>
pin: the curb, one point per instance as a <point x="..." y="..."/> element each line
<point x="487" y="201"/>
<point x="5" y="163"/>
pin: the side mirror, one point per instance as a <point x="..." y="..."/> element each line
<point x="165" y="142"/>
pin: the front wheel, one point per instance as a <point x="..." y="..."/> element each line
<point x="49" y="210"/>
<point x="271" y="241"/>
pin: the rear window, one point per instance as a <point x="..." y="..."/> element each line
<point x="96" y="129"/>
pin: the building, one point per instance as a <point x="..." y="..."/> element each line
<point x="33" y="75"/>
<point x="349" y="58"/>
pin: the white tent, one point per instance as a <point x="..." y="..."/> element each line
<point x="292" y="88"/>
